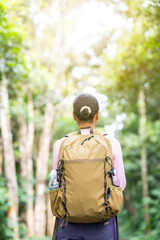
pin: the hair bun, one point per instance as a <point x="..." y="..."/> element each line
<point x="85" y="111"/>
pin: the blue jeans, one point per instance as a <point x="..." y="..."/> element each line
<point x="88" y="231"/>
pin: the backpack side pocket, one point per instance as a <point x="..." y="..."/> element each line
<point x="115" y="200"/>
<point x="56" y="197"/>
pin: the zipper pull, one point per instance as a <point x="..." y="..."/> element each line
<point x="84" y="141"/>
<point x="90" y="137"/>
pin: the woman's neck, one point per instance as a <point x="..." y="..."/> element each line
<point x="92" y="124"/>
<point x="86" y="125"/>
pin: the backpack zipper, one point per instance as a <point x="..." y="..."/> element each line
<point x="89" y="138"/>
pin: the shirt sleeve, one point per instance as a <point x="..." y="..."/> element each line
<point x="118" y="165"/>
<point x="56" y="152"/>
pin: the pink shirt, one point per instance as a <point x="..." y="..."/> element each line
<point x="120" y="178"/>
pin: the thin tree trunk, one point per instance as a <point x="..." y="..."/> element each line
<point x="50" y="218"/>
<point x="9" y="160"/>
<point x="26" y="136"/>
<point x="30" y="211"/>
<point x="22" y="139"/>
<point x="144" y="174"/>
<point x="41" y="171"/>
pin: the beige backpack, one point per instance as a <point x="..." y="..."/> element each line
<point x="86" y="193"/>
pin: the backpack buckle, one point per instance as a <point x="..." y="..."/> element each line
<point x="112" y="172"/>
<point x="108" y="193"/>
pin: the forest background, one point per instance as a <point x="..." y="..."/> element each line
<point x="52" y="50"/>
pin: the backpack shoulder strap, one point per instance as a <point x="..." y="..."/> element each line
<point x="105" y="142"/>
<point x="62" y="145"/>
<point x="100" y="133"/>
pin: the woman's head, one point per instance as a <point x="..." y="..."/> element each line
<point x="85" y="107"/>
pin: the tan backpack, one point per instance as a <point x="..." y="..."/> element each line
<point x="86" y="193"/>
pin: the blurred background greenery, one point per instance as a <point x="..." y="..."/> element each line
<point x="52" y="50"/>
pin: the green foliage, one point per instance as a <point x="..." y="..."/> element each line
<point x="137" y="62"/>
<point x="22" y="192"/>
<point x="5" y="233"/>
<point x="63" y="126"/>
<point x="12" y="35"/>
<point x="23" y="231"/>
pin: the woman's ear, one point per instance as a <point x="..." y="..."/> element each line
<point x="97" y="116"/>
<point x="74" y="117"/>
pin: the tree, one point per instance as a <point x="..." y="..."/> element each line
<point x="26" y="138"/>
<point x="9" y="160"/>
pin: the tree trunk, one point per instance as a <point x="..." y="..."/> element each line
<point x="22" y="140"/>
<point x="9" y="160"/>
<point x="30" y="212"/>
<point x="41" y="171"/>
<point x="142" y="133"/>
<point x="26" y="136"/>
<point x="50" y="218"/>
